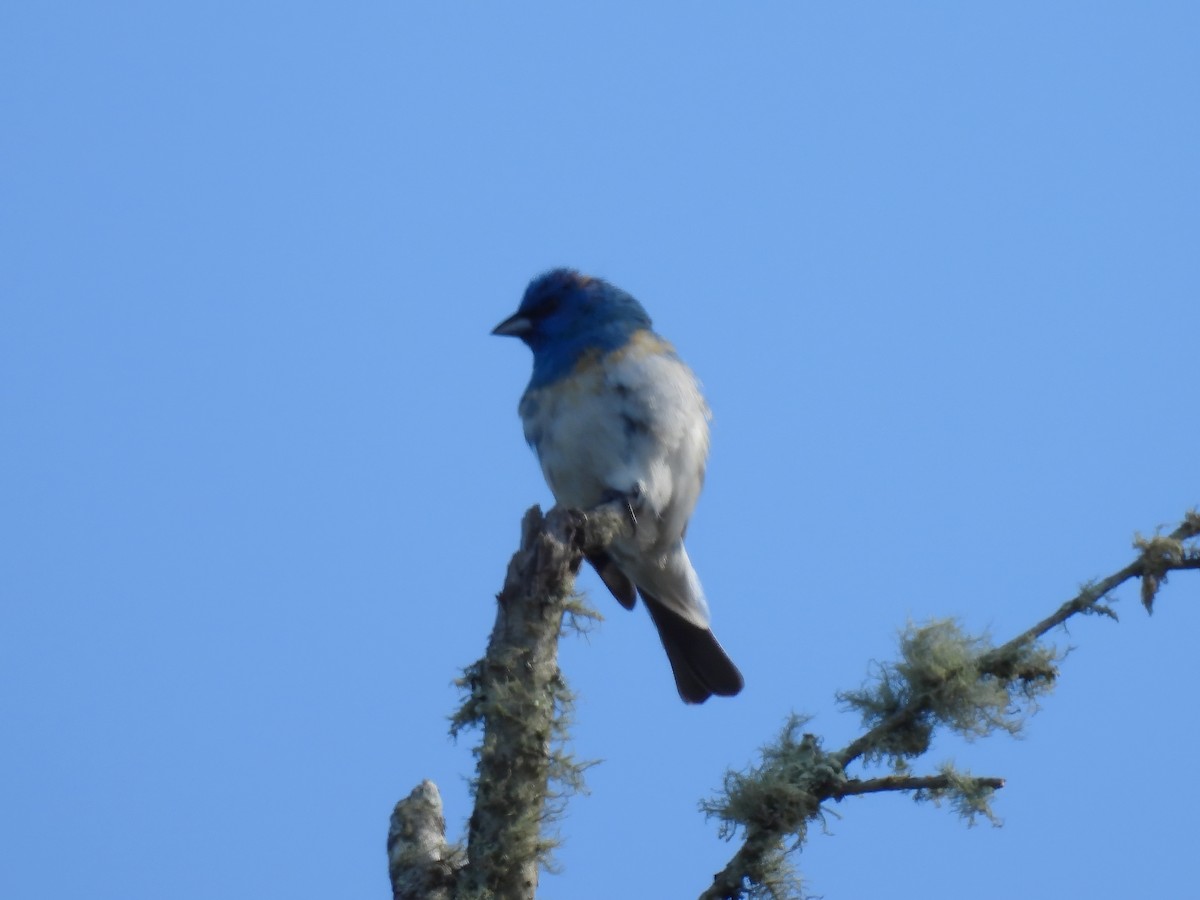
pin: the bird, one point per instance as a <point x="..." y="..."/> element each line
<point x="613" y="413"/>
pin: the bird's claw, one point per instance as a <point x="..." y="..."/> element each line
<point x="631" y="500"/>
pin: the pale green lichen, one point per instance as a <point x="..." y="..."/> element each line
<point x="492" y="690"/>
<point x="968" y="796"/>
<point x="947" y="677"/>
<point x="1159" y="553"/>
<point x="783" y="791"/>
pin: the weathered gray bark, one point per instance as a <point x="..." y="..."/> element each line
<point x="420" y="863"/>
<point x="516" y="694"/>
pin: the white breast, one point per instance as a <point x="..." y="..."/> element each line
<point x="634" y="418"/>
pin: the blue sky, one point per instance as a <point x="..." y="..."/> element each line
<point x="261" y="470"/>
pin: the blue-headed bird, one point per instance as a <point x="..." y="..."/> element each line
<point x="612" y="413"/>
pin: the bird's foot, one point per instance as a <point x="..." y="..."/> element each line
<point x="631" y="500"/>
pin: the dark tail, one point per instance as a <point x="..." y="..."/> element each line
<point x="700" y="665"/>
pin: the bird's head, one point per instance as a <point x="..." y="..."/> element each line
<point x="564" y="315"/>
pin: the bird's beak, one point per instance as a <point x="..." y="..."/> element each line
<point x="514" y="326"/>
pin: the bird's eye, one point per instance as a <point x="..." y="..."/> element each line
<point x="544" y="307"/>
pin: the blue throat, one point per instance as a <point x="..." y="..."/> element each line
<point x="554" y="359"/>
